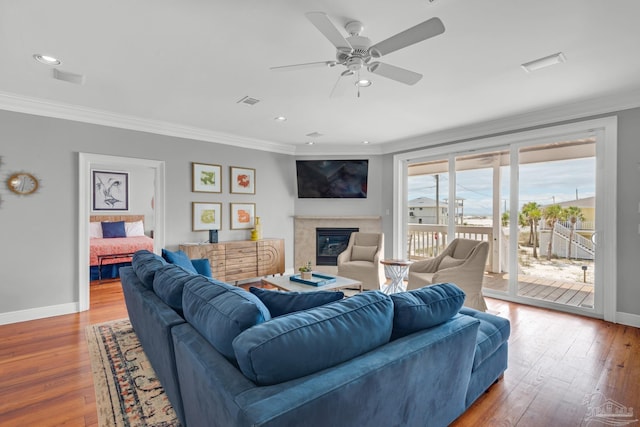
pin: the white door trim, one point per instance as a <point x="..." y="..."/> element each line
<point x="86" y="162"/>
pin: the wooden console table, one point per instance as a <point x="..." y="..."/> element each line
<point x="243" y="259"/>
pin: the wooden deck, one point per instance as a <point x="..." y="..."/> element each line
<point x="575" y="294"/>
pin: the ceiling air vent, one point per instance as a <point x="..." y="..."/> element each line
<point x="66" y="76"/>
<point x="314" y="135"/>
<point x="248" y="100"/>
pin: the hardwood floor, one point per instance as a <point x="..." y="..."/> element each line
<point x="556" y="360"/>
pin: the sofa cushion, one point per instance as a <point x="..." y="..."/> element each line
<point x="112" y="230"/>
<point x="220" y="312"/>
<point x="308" y="341"/>
<point x="493" y="332"/>
<point x="425" y="307"/>
<point x="280" y="303"/>
<point x="168" y="284"/>
<point x="179" y="258"/>
<point x="448" y="262"/>
<point x="145" y="264"/>
<point x="363" y="253"/>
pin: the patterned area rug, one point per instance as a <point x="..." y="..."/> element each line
<point x="128" y="394"/>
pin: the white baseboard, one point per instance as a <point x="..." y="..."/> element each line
<point x="628" y="319"/>
<point x="38" y="313"/>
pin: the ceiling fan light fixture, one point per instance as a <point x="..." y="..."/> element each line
<point x="46" y="59"/>
<point x="547" y="61"/>
<point x="363" y="83"/>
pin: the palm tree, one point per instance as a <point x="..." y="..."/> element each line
<point x="552" y="214"/>
<point x="573" y="214"/>
<point x="504" y="219"/>
<point x="531" y="214"/>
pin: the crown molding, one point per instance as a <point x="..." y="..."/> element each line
<point x="41" y="107"/>
<point x="534" y="118"/>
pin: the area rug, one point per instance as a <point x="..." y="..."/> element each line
<point x="128" y="394"/>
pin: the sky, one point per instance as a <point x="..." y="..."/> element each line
<point x="544" y="183"/>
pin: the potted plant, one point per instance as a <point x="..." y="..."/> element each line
<point x="305" y="271"/>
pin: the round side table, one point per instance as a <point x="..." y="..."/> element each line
<point x="396" y="269"/>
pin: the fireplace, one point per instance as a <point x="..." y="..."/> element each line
<point x="330" y="242"/>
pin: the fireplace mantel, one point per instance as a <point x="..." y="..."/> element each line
<point x="305" y="235"/>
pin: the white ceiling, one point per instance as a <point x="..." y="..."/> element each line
<point x="179" y="67"/>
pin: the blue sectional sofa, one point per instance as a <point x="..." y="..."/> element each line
<point x="410" y="359"/>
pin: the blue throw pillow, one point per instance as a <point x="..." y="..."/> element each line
<point x="220" y="312"/>
<point x="145" y="264"/>
<point x="179" y="258"/>
<point x="309" y="341"/>
<point x="279" y="302"/>
<point x="425" y="307"/>
<point x="114" y="229"/>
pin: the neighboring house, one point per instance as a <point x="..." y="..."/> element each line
<point x="582" y="244"/>
<point x="425" y="210"/>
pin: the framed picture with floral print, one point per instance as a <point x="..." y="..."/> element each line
<point x="243" y="180"/>
<point x="206" y="216"/>
<point x="243" y="215"/>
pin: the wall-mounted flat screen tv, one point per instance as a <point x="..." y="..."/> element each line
<point x="332" y="179"/>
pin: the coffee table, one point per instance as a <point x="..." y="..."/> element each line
<point x="283" y="282"/>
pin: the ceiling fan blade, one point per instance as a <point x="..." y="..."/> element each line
<point x="305" y="65"/>
<point x="413" y="35"/>
<point x="394" y="73"/>
<point x="321" y="21"/>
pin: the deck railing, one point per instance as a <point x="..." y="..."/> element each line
<point x="428" y="240"/>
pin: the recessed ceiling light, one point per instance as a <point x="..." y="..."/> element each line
<point x="547" y="61"/>
<point x="310" y="143"/>
<point x="365" y="142"/>
<point x="363" y="83"/>
<point x="46" y="59"/>
<point x="280" y="119"/>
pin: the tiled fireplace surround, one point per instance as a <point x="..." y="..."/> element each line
<point x="305" y="235"/>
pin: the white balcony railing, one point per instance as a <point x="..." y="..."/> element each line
<point x="428" y="240"/>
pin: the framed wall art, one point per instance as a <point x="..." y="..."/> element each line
<point x="206" y="178"/>
<point x="206" y="216"/>
<point x="243" y="215"/>
<point x="110" y="191"/>
<point x="243" y="180"/>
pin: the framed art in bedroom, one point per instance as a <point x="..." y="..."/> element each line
<point x="110" y="190"/>
<point x="206" y="178"/>
<point x="206" y="216"/>
<point x="243" y="215"/>
<point x="243" y="180"/>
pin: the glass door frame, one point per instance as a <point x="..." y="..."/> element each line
<point x="605" y="131"/>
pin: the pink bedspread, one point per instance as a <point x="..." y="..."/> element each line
<point x="118" y="245"/>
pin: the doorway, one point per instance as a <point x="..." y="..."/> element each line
<point x="86" y="162"/>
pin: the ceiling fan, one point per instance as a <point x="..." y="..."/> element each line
<point x="356" y="52"/>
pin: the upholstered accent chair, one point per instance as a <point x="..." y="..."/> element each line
<point x="462" y="263"/>
<point x="361" y="260"/>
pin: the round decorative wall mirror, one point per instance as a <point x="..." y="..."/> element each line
<point x="22" y="183"/>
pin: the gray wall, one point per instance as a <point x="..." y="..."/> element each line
<point x="628" y="215"/>
<point x="39" y="233"/>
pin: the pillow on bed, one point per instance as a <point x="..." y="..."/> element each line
<point x="95" y="230"/>
<point x="113" y="229"/>
<point x="134" y="229"/>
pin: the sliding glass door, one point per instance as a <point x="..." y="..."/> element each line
<point x="538" y="201"/>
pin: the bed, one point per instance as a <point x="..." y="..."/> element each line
<point x="111" y="245"/>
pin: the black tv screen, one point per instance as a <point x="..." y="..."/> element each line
<point x="332" y="179"/>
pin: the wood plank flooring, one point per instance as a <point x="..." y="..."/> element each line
<point x="560" y="366"/>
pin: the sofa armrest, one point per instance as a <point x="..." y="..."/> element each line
<point x="423" y="376"/>
<point x="202" y="266"/>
